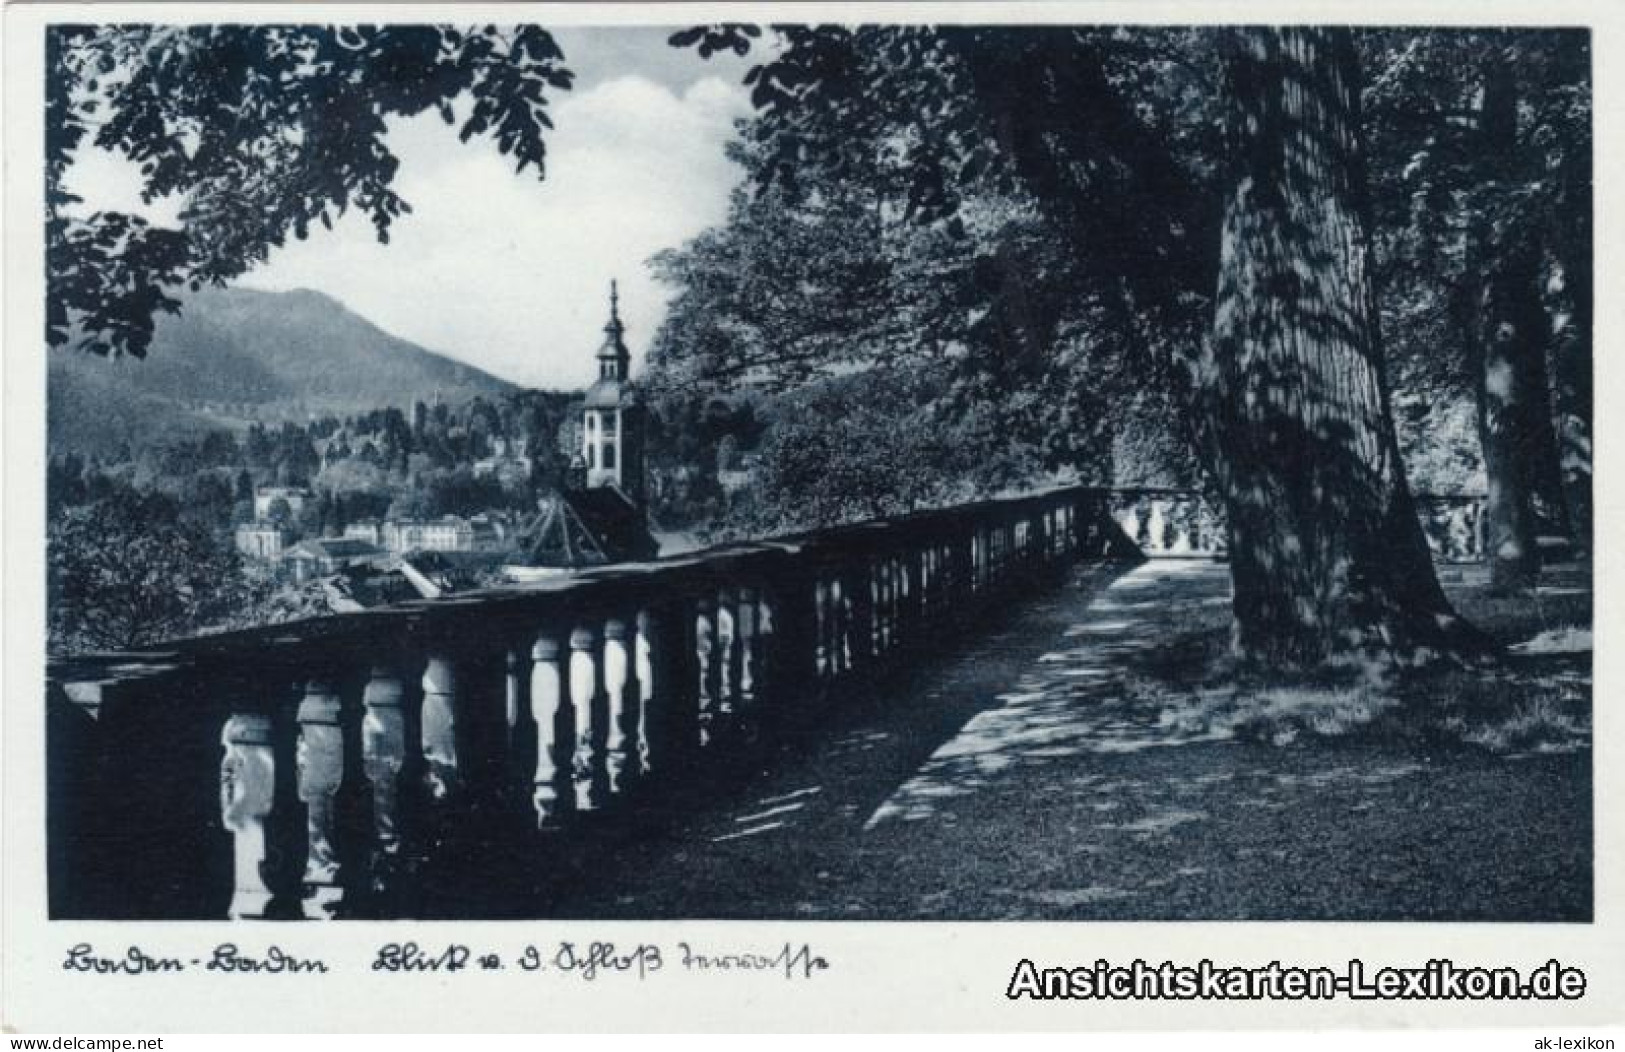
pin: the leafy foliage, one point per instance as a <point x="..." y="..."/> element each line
<point x="1451" y="208"/>
<point x="127" y="569"/>
<point x="903" y="230"/>
<point x="263" y="131"/>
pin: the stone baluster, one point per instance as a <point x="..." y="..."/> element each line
<point x="874" y="591"/>
<point x="749" y="643"/>
<point x="620" y="745"/>
<point x="587" y="770"/>
<point x="888" y="615"/>
<point x="877" y="606"/>
<point x="650" y="661"/>
<point x="1157" y="528"/>
<point x="894" y="600"/>
<point x="383" y="755"/>
<point x="899" y="599"/>
<point x="546" y="698"/>
<point x="729" y="659"/>
<point x="763" y="650"/>
<point x="840" y="604"/>
<point x="441" y="774"/>
<point x="513" y="692"/>
<point x="820" y="627"/>
<point x="1130" y="521"/>
<point x="913" y="585"/>
<point x="859" y="589"/>
<point x="706" y="667"/>
<point x="320" y="763"/>
<point x="247" y="787"/>
<point x="928" y="582"/>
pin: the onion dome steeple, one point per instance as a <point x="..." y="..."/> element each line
<point x="614" y="360"/>
<point x="611" y="415"/>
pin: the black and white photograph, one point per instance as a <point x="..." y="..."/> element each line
<point x="555" y="465"/>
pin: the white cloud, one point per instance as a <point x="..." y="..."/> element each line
<point x="499" y="269"/>
<point x="511" y="274"/>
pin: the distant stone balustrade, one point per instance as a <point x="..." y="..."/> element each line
<point x="1169" y="523"/>
<point x="1453" y="524"/>
<point x="1174" y="523"/>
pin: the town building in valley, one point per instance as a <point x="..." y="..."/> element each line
<point x="262" y="540"/>
<point x="324" y="556"/>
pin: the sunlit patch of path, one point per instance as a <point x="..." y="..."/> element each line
<point x="1071" y="703"/>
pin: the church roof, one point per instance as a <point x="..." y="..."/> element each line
<point x="614" y="345"/>
<point x="612" y="389"/>
<point x="588" y="527"/>
<point x="615" y="520"/>
<point x="610" y="394"/>
<point x="558" y="537"/>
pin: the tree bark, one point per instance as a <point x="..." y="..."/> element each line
<point x="1519" y="441"/>
<point x="1326" y="552"/>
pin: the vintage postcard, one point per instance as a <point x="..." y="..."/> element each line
<point x="738" y="516"/>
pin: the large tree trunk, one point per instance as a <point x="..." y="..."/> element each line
<point x="1326" y="551"/>
<point x="1509" y="337"/>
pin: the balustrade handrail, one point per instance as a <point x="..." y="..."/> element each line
<point x="681" y="570"/>
<point x="521" y="599"/>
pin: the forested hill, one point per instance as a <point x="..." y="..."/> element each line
<point x="235" y="355"/>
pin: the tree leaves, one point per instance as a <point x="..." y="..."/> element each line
<point x="263" y="131"/>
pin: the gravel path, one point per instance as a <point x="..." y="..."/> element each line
<point x="1019" y="781"/>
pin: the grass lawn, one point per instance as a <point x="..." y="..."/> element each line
<point x="1535" y="699"/>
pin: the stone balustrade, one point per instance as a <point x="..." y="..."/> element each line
<point x="1175" y="523"/>
<point x="1454" y="525"/>
<point x="421" y="759"/>
<point x="1169" y="523"/>
<point x="425" y="759"/>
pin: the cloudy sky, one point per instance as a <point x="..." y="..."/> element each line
<point x="510" y="273"/>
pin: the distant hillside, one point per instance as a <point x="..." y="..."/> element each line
<point x="235" y="355"/>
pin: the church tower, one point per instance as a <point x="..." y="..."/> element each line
<point x="598" y="517"/>
<point x="612" y="418"/>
